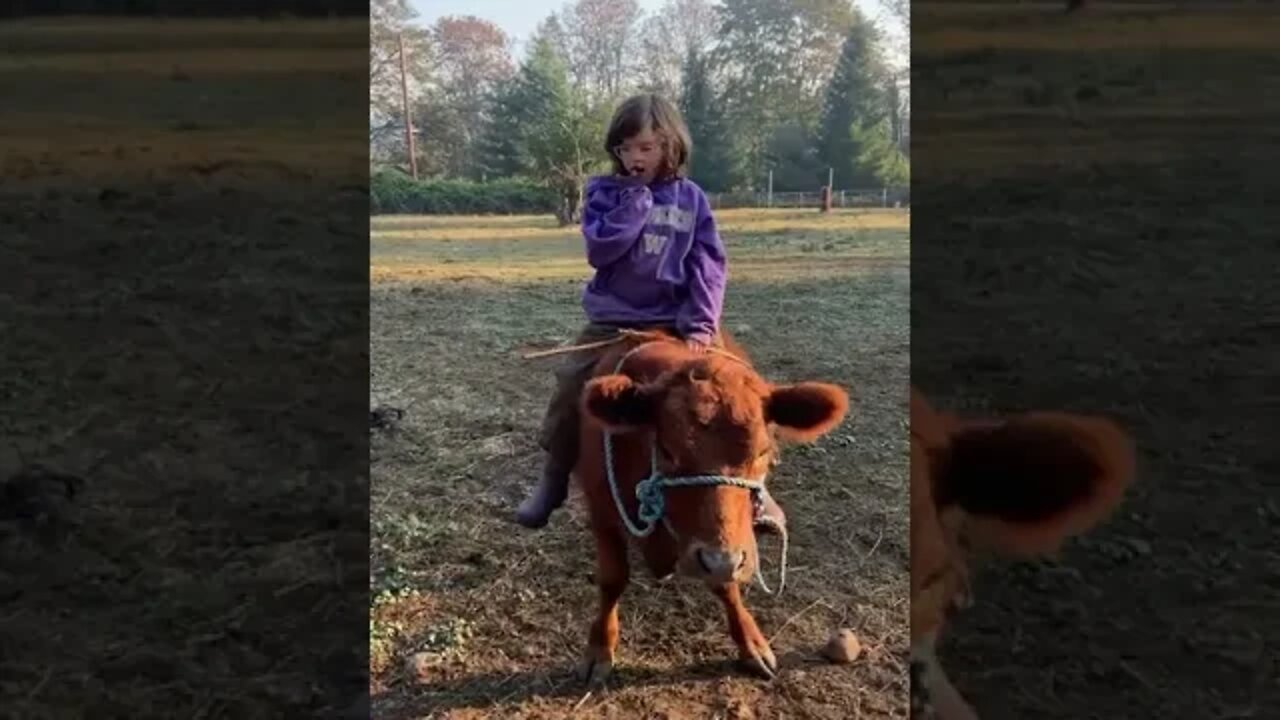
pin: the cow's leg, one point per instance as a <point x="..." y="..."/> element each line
<point x="612" y="575"/>
<point x="753" y="649"/>
<point x="932" y="694"/>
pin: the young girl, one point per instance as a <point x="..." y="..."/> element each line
<point x="658" y="261"/>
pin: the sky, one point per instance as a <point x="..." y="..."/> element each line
<point x="519" y="18"/>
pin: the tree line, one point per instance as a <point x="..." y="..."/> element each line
<point x="789" y="86"/>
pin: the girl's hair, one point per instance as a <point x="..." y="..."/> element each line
<point x="660" y="116"/>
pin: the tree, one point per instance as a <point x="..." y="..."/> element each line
<point x="879" y="161"/>
<point x="794" y="160"/>
<point x="668" y="37"/>
<point x="473" y="60"/>
<point x="553" y="30"/>
<point x="543" y="127"/>
<point x="899" y="10"/>
<point x="500" y="146"/>
<point x="387" y="19"/>
<point x="714" y="163"/>
<point x="899" y="107"/>
<point x="775" y="57"/>
<point x="518" y="104"/>
<point x="855" y="97"/>
<point x="564" y="150"/>
<point x="602" y="44"/>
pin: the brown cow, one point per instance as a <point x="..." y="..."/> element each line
<point x="1016" y="486"/>
<point x="711" y="416"/>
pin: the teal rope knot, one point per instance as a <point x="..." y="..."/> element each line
<point x="652" y="501"/>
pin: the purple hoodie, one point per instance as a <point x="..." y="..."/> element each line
<point x="657" y="255"/>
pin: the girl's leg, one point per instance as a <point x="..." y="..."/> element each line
<point x="559" y="438"/>
<point x="559" y="434"/>
<point x="549" y="494"/>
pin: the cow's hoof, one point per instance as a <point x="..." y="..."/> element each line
<point x="760" y="662"/>
<point x="594" y="670"/>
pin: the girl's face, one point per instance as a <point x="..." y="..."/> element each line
<point x="641" y="154"/>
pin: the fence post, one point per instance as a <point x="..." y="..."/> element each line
<point x="884" y="197"/>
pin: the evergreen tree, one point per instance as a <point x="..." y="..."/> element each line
<point x="500" y="144"/>
<point x="794" y="160"/>
<point x="879" y="159"/>
<point x="541" y="127"/>
<point x="714" y="164"/>
<point x="855" y="98"/>
<point x="520" y="106"/>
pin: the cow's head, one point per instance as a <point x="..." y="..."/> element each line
<point x="714" y="416"/>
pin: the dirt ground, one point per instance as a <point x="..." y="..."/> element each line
<point x="494" y="617"/>
<point x="1092" y="234"/>
<point x="182" y="326"/>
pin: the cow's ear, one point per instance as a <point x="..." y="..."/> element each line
<point x="1034" y="480"/>
<point x="806" y="411"/>
<point x="619" y="404"/>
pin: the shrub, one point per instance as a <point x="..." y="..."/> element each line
<point x="392" y="192"/>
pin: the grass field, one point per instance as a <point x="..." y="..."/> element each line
<point x="492" y="617"/>
<point x="1101" y="176"/>
<point x="182" y="328"/>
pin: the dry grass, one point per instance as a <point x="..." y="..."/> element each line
<point x="783" y="245"/>
<point x="1130" y="259"/>
<point x="498" y="614"/>
<point x="189" y="362"/>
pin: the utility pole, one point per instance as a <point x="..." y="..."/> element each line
<point x="770" y="201"/>
<point x="408" y="119"/>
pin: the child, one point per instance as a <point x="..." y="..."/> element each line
<point x="659" y="262"/>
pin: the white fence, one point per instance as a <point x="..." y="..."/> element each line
<point x="870" y="198"/>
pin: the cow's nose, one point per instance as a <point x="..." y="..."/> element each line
<point x="721" y="566"/>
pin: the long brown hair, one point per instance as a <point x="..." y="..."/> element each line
<point x="650" y="110"/>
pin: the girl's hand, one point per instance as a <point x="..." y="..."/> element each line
<point x="696" y="346"/>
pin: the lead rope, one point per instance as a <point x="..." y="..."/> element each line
<point x="782" y="557"/>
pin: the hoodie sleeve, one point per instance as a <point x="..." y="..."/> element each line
<point x="612" y="221"/>
<point x="699" y="317"/>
